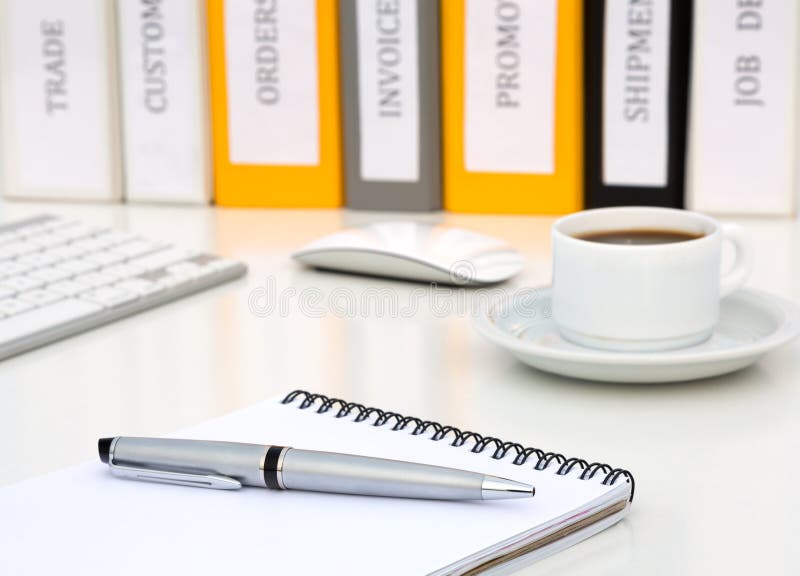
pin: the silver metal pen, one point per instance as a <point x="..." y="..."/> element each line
<point x="230" y="465"/>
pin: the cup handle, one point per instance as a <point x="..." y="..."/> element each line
<point x="736" y="276"/>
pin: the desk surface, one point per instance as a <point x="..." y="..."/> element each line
<point x="715" y="461"/>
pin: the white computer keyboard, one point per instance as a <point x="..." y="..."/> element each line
<point x="59" y="277"/>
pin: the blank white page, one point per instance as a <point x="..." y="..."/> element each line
<point x="84" y="520"/>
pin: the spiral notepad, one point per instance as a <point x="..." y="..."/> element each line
<point x="80" y="515"/>
<point x="458" y="438"/>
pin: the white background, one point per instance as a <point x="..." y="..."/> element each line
<point x="713" y="459"/>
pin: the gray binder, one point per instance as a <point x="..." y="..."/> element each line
<point x="391" y="104"/>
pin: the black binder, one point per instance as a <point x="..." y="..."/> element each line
<point x="600" y="189"/>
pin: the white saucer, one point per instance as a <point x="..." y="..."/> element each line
<point x="751" y="323"/>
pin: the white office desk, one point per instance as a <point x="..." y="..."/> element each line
<point x="716" y="461"/>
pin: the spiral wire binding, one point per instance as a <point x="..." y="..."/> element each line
<point x="459" y="438"/>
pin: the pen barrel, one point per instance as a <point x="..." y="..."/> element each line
<point x="231" y="459"/>
<point x="348" y="474"/>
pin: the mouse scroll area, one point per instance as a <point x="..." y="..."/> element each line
<point x="370" y="263"/>
<point x="414" y="251"/>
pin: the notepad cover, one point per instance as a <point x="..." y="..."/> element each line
<point x="83" y="514"/>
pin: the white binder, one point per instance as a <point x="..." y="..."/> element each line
<point x="60" y="136"/>
<point x="164" y="92"/>
<point x="743" y="134"/>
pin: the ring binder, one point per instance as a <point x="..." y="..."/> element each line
<point x="543" y="459"/>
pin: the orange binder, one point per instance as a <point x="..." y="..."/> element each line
<point x="512" y="106"/>
<point x="274" y="71"/>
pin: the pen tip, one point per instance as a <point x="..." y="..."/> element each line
<point x="104" y="448"/>
<point x="495" y="488"/>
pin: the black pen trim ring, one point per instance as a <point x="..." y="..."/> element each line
<point x="272" y="467"/>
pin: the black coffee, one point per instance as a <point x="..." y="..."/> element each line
<point x="638" y="237"/>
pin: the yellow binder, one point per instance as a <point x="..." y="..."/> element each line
<point x="512" y="132"/>
<point x="274" y="73"/>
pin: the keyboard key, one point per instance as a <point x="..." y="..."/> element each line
<point x="37" y="260"/>
<point x="222" y="264"/>
<point x="78" y="266"/>
<point x="122" y="271"/>
<point x="138" y="248"/>
<point x="63" y="223"/>
<point x="76" y="231"/>
<point x="104" y="258"/>
<point x="88" y="245"/>
<point x="62" y="252"/>
<point x="32" y="230"/>
<point x="12" y="268"/>
<point x="186" y="269"/>
<point x="67" y="252"/>
<point x="15" y="249"/>
<point x="94" y="279"/>
<point x="48" y="240"/>
<point x="15" y="227"/>
<point x="50" y="274"/>
<point x="203" y="259"/>
<point x="53" y="222"/>
<point x="109" y="296"/>
<point x="162" y="258"/>
<point x="114" y="237"/>
<point x="5" y="293"/>
<point x="68" y="288"/>
<point x="40" y="297"/>
<point x="12" y="306"/>
<point x="103" y="241"/>
<point x="174" y="280"/>
<point x="21" y="283"/>
<point x="44" y="318"/>
<point x="139" y="286"/>
<point x="7" y="237"/>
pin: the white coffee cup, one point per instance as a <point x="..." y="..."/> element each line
<point x="642" y="297"/>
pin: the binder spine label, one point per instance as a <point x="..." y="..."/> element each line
<point x="635" y="93"/>
<point x="509" y="97"/>
<point x="163" y="98"/>
<point x="388" y="90"/>
<point x="60" y="95"/>
<point x="272" y="82"/>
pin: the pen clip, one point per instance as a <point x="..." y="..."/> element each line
<point x="180" y="478"/>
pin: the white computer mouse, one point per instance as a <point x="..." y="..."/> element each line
<point x="415" y="251"/>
